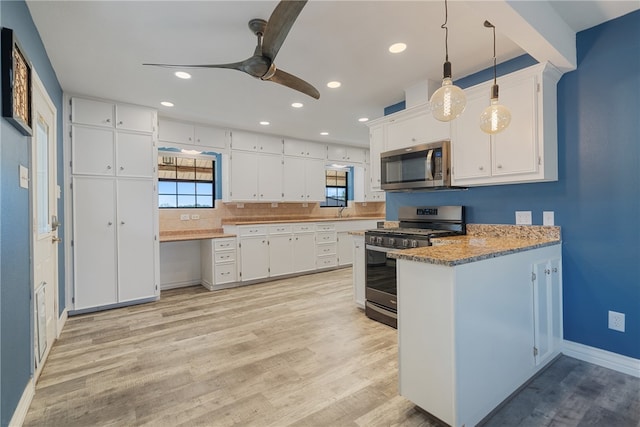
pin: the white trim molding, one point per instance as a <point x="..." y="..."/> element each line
<point x="607" y="359"/>
<point x="23" y="405"/>
<point x="61" y="321"/>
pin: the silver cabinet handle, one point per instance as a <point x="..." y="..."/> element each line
<point x="108" y="120"/>
<point x="108" y="167"/>
<point x="121" y="222"/>
<point x="481" y="168"/>
<point x="121" y="168"/>
<point x="120" y="123"/>
<point x="499" y="166"/>
<point x="110" y="223"/>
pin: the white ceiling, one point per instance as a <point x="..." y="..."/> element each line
<point x="97" y="49"/>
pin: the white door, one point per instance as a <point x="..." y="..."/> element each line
<point x="44" y="223"/>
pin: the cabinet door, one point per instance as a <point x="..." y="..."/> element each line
<point x="419" y="128"/>
<point x="345" y="248"/>
<point x="280" y="255"/>
<point x="376" y="142"/>
<point x="270" y="178"/>
<point x="316" y="151"/>
<point x="247" y="141"/>
<point x="293" y="176"/>
<point x="337" y="152"/>
<point x="92" y="151"/>
<point x="94" y="242"/>
<point x="515" y="148"/>
<point x="358" y="270"/>
<point x="244" y="176"/>
<point x="304" y="252"/>
<point x="269" y="144"/>
<point x="546" y="309"/>
<point x="134" y="152"/>
<point x="254" y="258"/>
<point x="210" y="137"/>
<point x="470" y="146"/>
<point x="315" y="180"/>
<point x="171" y="131"/>
<point x="129" y="117"/>
<point x="136" y="239"/>
<point x="91" y="112"/>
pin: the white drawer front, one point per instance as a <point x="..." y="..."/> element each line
<point x="225" y="273"/>
<point x="280" y="229"/>
<point x="326" y="237"/>
<point x="325" y="227"/>
<point x="224" y="244"/>
<point x="225" y="256"/>
<point x="327" y="261"/>
<point x="304" y="228"/>
<point x="327" y="249"/>
<point x="253" y="231"/>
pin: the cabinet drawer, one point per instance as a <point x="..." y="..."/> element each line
<point x="325" y="227"/>
<point x="327" y="261"/>
<point x="225" y="273"/>
<point x="304" y="228"/>
<point x="280" y="229"/>
<point x="224" y="244"/>
<point x="253" y="231"/>
<point x="327" y="249"/>
<point x="326" y="237"/>
<point x="225" y="256"/>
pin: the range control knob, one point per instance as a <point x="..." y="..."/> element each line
<point x="405" y="243"/>
<point x="414" y="243"/>
<point x="392" y="241"/>
<point x="372" y="239"/>
<point x="379" y="240"/>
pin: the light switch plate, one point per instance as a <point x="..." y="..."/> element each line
<point x="523" y="217"/>
<point x="548" y="218"/>
<point x="184" y="217"/>
<point x="24" y="177"/>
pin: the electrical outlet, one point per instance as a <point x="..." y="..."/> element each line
<point x="184" y="217"/>
<point x="616" y="321"/>
<point x="547" y="218"/>
<point x="523" y="217"/>
<point x="274" y="205"/>
<point x="195" y="216"/>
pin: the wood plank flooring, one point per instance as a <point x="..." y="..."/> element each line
<point x="289" y="352"/>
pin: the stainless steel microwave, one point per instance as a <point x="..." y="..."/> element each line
<point x="419" y="167"/>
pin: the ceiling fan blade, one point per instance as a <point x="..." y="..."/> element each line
<point x="296" y="83"/>
<point x="278" y="26"/>
<point x="233" y="65"/>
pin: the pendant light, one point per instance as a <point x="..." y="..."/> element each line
<point x="448" y="101"/>
<point x="495" y="118"/>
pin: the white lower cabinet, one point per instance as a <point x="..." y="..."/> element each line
<point x="114" y="241"/>
<point x="281" y="250"/>
<point x="358" y="270"/>
<point x="345" y="248"/>
<point x="254" y="255"/>
<point x="472" y="334"/>
<point x="304" y="248"/>
<point x="218" y="262"/>
<point x="326" y="245"/>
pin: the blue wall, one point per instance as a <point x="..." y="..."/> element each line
<point x="15" y="285"/>
<point x="597" y="196"/>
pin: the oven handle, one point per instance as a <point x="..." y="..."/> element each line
<point x="379" y="248"/>
<point x="381" y="311"/>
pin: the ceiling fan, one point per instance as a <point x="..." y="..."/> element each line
<point x="271" y="35"/>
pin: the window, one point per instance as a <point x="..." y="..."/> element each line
<point x="335" y="188"/>
<point x="185" y="182"/>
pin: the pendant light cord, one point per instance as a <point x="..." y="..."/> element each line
<point x="446" y="32"/>
<point x="493" y="27"/>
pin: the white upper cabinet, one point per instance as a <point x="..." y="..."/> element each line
<point x="527" y="150"/>
<point x="304" y="180"/>
<point x="376" y="146"/>
<point x="247" y="141"/>
<point x="414" y="126"/>
<point x="341" y="153"/>
<point x="135" y="155"/>
<point x="100" y="113"/>
<point x="190" y="134"/>
<point x="256" y="177"/>
<point x="299" y="148"/>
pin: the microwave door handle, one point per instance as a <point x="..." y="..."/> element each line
<point x="429" y="165"/>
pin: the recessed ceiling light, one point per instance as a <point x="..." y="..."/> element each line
<point x="297" y="105"/>
<point x="167" y="103"/>
<point x="182" y="75"/>
<point x="265" y="123"/>
<point x="324" y="133"/>
<point x="334" y="84"/>
<point x="363" y="119"/>
<point x="397" y="47"/>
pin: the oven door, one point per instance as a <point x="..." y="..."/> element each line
<point x="380" y="282"/>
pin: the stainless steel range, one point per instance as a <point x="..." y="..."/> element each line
<point x="417" y="226"/>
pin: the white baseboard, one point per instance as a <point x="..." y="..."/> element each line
<point x="607" y="359"/>
<point x="61" y="321"/>
<point x="175" y="285"/>
<point x="23" y="405"/>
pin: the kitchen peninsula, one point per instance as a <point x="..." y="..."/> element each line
<point x="478" y="316"/>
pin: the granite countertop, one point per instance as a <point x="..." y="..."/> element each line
<point x="481" y="242"/>
<point x="180" y="235"/>
<point x="285" y="220"/>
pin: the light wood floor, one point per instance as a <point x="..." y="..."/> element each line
<point x="290" y="352"/>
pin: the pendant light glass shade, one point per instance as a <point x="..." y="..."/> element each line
<point x="495" y="118"/>
<point x="449" y="101"/>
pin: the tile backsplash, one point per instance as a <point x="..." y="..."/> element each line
<point x="224" y="213"/>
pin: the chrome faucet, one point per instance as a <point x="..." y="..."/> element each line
<point x="340" y="211"/>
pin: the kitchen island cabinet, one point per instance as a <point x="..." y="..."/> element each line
<point x="469" y="332"/>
